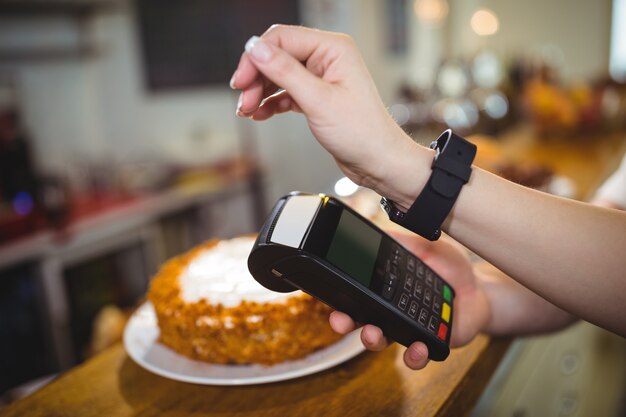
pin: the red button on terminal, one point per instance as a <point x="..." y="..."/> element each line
<point x="443" y="331"/>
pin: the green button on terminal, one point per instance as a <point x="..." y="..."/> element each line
<point x="447" y="293"/>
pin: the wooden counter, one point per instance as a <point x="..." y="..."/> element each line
<point x="371" y="384"/>
<point x="586" y="161"/>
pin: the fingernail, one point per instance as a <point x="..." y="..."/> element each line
<point x="415" y="355"/>
<point x="367" y="336"/>
<point x="258" y="49"/>
<point x="239" y="103"/>
<point x="232" y="80"/>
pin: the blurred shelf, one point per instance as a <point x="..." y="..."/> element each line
<point x="83" y="231"/>
<point x="72" y="8"/>
<point x="79" y="12"/>
<point x="49" y="54"/>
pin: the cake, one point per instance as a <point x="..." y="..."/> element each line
<point x="210" y="308"/>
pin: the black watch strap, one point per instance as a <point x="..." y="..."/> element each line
<point x="451" y="169"/>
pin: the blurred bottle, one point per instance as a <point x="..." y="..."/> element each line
<point x="55" y="201"/>
<point x="18" y="178"/>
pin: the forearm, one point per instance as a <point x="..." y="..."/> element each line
<point x="548" y="244"/>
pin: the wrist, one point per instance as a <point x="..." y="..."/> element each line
<point x="450" y="170"/>
<point x="405" y="172"/>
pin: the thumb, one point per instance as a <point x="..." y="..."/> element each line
<point x="286" y="72"/>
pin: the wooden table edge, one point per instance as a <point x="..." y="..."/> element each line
<point x="472" y="385"/>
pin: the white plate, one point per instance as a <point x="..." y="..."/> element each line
<point x="141" y="343"/>
<point x="562" y="186"/>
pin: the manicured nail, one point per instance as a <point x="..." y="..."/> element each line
<point x="232" y="80"/>
<point x="258" y="49"/>
<point x="239" y="103"/>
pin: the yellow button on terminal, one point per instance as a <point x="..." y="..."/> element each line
<point x="445" y="312"/>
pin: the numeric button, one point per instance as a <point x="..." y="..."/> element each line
<point x="423" y="317"/>
<point x="419" y="270"/>
<point x="413" y="309"/>
<point x="419" y="290"/>
<point x="433" y="324"/>
<point x="404" y="300"/>
<point x="428" y="297"/>
<point x="437" y="305"/>
<point x="429" y="278"/>
<point x="394" y="270"/>
<point x="410" y="264"/>
<point x="408" y="282"/>
<point x="438" y="285"/>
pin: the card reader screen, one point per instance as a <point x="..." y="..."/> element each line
<point x="354" y="248"/>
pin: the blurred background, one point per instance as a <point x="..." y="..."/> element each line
<point x="119" y="148"/>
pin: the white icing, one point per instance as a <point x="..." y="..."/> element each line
<point x="220" y="275"/>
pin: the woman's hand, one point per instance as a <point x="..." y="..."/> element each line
<point x="471" y="305"/>
<point x="322" y="75"/>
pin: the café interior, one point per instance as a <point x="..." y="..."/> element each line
<point x="120" y="149"/>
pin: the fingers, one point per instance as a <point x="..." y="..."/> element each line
<point x="302" y="42"/>
<point x="278" y="56"/>
<point x="286" y="71"/>
<point x="373" y="338"/>
<point x="245" y="74"/>
<point x="416" y="356"/>
<point x="278" y="103"/>
<point x="299" y="42"/>
<point x="250" y="98"/>
<point x="341" y="323"/>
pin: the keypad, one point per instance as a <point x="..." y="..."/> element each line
<point x="423" y="296"/>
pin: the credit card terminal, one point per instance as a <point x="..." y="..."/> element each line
<point x="318" y="244"/>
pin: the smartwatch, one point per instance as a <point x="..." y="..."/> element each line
<point x="451" y="169"/>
